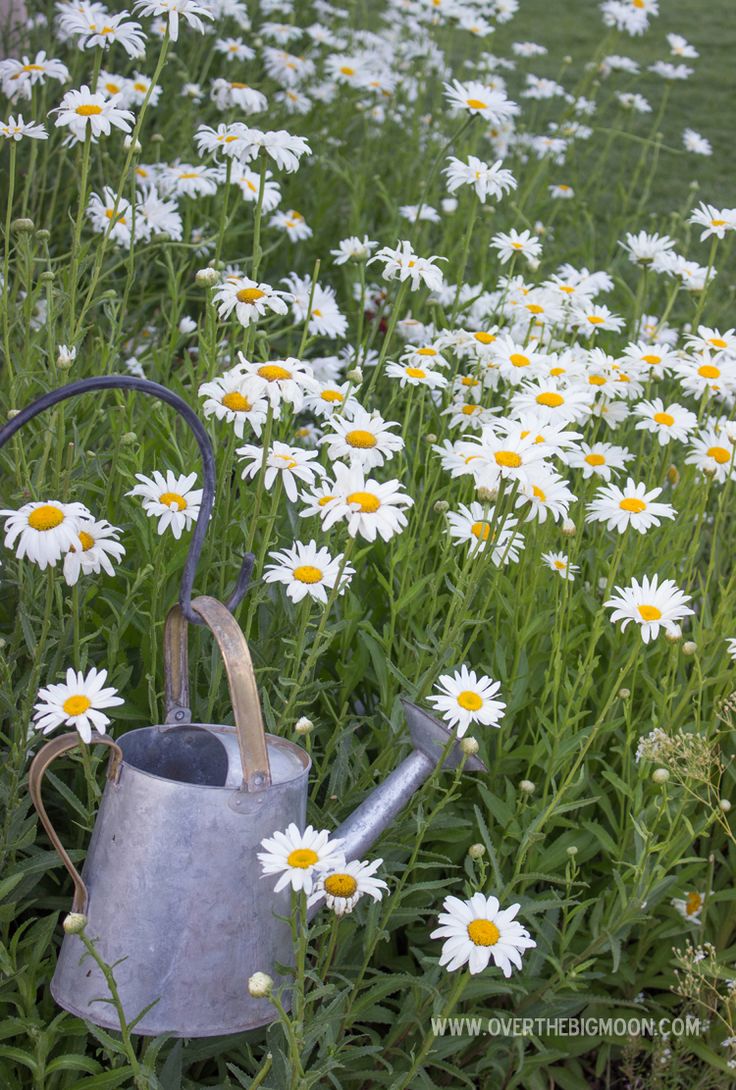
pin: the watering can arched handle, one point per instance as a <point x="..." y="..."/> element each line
<point x="240" y="676"/>
<point x="161" y="393"/>
<point x="39" y="766"/>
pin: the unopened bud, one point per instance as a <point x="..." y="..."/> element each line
<point x="22" y="226"/>
<point x="304" y="725"/>
<point x="689" y="647"/>
<point x="43" y="235"/>
<point x="673" y="634"/>
<point x="47" y="276"/>
<point x="710" y="470"/>
<point x="157" y="138"/>
<point x="207" y="277"/>
<point x="75" y="923"/>
<point x="487" y="495"/>
<point x="725" y="805"/>
<point x="260" y="985"/>
<point x="129" y="438"/>
<point x="624" y="694"/>
<point x="527" y="787"/>
<point x="12" y="413"/>
<point x="660" y="775"/>
<point x="128" y="144"/>
<point x="441" y="507"/>
<point x="430" y="437"/>
<point x="469" y="746"/>
<point x="477" y="851"/>
<point x="673" y="475"/>
<point x="569" y="529"/>
<point x="572" y="850"/>
<point x="355" y="375"/>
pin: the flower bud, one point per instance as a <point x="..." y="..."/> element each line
<point x="477" y="851"/>
<point x="569" y="529"/>
<point x="22" y="226"/>
<point x="158" y="138"/>
<point x="673" y="475"/>
<point x="527" y="787"/>
<point x="128" y="144"/>
<point x="674" y="634"/>
<point x="689" y="647"/>
<point x="47" y="276"/>
<point x="624" y="694"/>
<point x="487" y="495"/>
<point x="725" y="805"/>
<point x="43" y="235"/>
<point x="65" y="357"/>
<point x="571" y="850"/>
<point x="75" y="923"/>
<point x="12" y="413"/>
<point x="207" y="277"/>
<point x="129" y="438"/>
<point x="260" y="985"/>
<point x="430" y="437"/>
<point x="441" y="507"/>
<point x="469" y="746"/>
<point x="660" y="775"/>
<point x="303" y="725"/>
<point x="355" y="375"/>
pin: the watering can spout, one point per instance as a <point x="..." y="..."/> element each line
<point x="431" y="740"/>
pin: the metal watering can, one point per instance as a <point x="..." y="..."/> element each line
<point x="171" y="885"/>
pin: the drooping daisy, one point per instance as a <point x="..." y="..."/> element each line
<point x="173" y="10"/>
<point x="76" y="703"/>
<point x="366" y="439"/>
<point x="15" y="128"/>
<point x="342" y="888"/>
<point x="171" y="499"/>
<point x="478" y="526"/>
<point x="401" y="263"/>
<point x="650" y="604"/>
<point x="226" y="399"/>
<point x="82" y="111"/>
<point x="465" y="698"/>
<point x="479" y="930"/>
<point x="668" y="423"/>
<point x="45" y="531"/>
<point x="690" y="906"/>
<point x="249" y="299"/>
<point x="631" y="506"/>
<point x="288" y="380"/>
<point x="292" y="223"/>
<point x="99" y="542"/>
<point x="353" y="248"/>
<point x="488" y="180"/>
<point x="284" y="462"/>
<point x="370" y="508"/>
<point x="299" y="857"/>
<point x="560" y="563"/>
<point x="305" y="569"/>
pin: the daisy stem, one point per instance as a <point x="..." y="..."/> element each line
<point x="305" y="331"/>
<point x="93" y="791"/>
<point x="223" y="214"/>
<point x="330" y="952"/>
<point x="6" y="266"/>
<point x="464" y="262"/>
<point x="257" y="251"/>
<point x="297" y="1071"/>
<point x="267" y="430"/>
<point x="302" y="939"/>
<point x="262" y="1073"/>
<point x="429" y="1039"/>
<point x="395" y="311"/>
<point x="429" y="176"/>
<point x="706" y="285"/>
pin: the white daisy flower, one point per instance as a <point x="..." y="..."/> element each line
<point x="225" y="398"/>
<point x="598" y="459"/>
<point x="401" y="263"/>
<point x="299" y="857"/>
<point x="15" y="128"/>
<point x="290" y="464"/>
<point x="731" y="644"/>
<point x="370" y="508"/>
<point x="288" y="380"/>
<point x="249" y="299"/>
<point x="631" y="506"/>
<point x="651" y="605"/>
<point x="173" y="10"/>
<point x="712" y="452"/>
<point x="464" y="698"/>
<point x="293" y="224"/>
<point x="668" y="423"/>
<point x="409" y="374"/>
<point x="331" y="397"/>
<point x="82" y="111"/>
<point x="366" y="439"/>
<point x="77" y="703"/>
<point x="515" y="242"/>
<point x="171" y="499"/>
<point x="478" y="98"/>
<point x="305" y="569"/>
<point x="690" y="906"/>
<point x="479" y="930"/>
<point x="477" y="525"/>
<point x="44" y="531"/>
<point x="560" y="563"/>
<point x="98" y="540"/>
<point x="342" y="888"/>
<point x="353" y="248"/>
<point x="488" y="180"/>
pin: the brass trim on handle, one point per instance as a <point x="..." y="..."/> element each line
<point x="241" y="682"/>
<point x="39" y="766"/>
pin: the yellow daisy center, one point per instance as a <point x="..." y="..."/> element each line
<point x="484" y="338"/>
<point x="340" y="885"/>
<point x="468" y="410"/>
<point x="709" y="371"/>
<point x="718" y="454"/>
<point x="426" y="352"/>
<point x="597" y="380"/>
<point x="649" y="613"/>
<point x="86" y="541"/>
<point x="595" y="319"/>
<point x="347" y="71"/>
<point x="273" y="372"/>
<point x="331" y="396"/>
<point x="303" y="858"/>
<point x="693" y="903"/>
<point x="45" y="517"/>
<point x="508" y="458"/>
<point x="550" y="399"/>
<point x="32" y="68"/>
<point x="88" y="110"/>
<point x="718" y="342"/>
<point x="76" y="705"/>
<point x="534" y="308"/>
<point x="250" y="295"/>
<point x="483" y="933"/>
<point x="540" y="495"/>
<point x="361" y="439"/>
<point x="469" y="700"/>
<point x="633" y="503"/>
<point x="416" y="372"/>
<point x="559" y="564"/>
<point x="652" y="359"/>
<point x="595" y="459"/>
<point x="664" y="418"/>
<point x="475" y="104"/>
<point x="717" y="223"/>
<point x="236" y="402"/>
<point x="324" y="500"/>
<point x="167" y="498"/>
<point x="481" y="530"/>
<point x="519" y="360"/>
<point x="307" y="573"/>
<point x="368" y="502"/>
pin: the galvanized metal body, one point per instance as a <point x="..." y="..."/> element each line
<point x="175" y="888"/>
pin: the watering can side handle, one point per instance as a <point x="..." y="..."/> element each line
<point x="39" y="766"/>
<point x="241" y="682"/>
